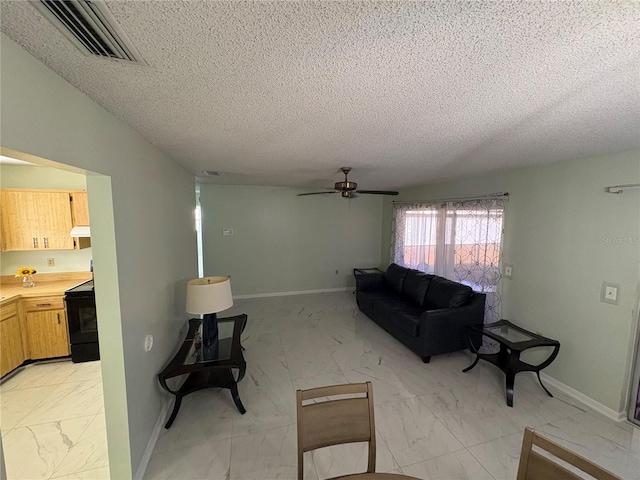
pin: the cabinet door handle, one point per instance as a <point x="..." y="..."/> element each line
<point x="58" y="319"/>
<point x="35" y="242"/>
<point x="46" y="242"/>
<point x="43" y="305"/>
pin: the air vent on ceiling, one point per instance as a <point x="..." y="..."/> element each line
<point x="91" y="27"/>
<point x="211" y="173"/>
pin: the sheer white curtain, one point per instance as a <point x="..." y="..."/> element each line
<point x="413" y="242"/>
<point x="460" y="240"/>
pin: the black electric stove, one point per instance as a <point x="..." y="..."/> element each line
<point x="83" y="323"/>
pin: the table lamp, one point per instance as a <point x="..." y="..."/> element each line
<point x="208" y="296"/>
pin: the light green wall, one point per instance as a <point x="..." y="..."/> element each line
<point x="24" y="176"/>
<point x="558" y="220"/>
<point x="18" y="176"/>
<point x="65" y="261"/>
<point x="285" y="243"/>
<point x="143" y="240"/>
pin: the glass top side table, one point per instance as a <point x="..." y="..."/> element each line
<point x="207" y="367"/>
<point x="509" y="333"/>
<point x="513" y="341"/>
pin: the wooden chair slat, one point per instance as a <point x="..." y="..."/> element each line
<point x="534" y="466"/>
<point x="332" y="390"/>
<point x="336" y="421"/>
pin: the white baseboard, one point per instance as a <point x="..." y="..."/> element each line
<point x="301" y="292"/>
<point x="582" y="398"/>
<point x="151" y="444"/>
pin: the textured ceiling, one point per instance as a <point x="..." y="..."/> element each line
<point x="285" y="93"/>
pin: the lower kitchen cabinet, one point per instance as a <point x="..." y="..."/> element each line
<point x="32" y="328"/>
<point x="47" y="331"/>
<point x="11" y="350"/>
<point x="48" y="336"/>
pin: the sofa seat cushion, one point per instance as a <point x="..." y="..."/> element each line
<point x="394" y="277"/>
<point x="407" y="321"/>
<point x="415" y="286"/>
<point x="366" y="298"/>
<point x="387" y="303"/>
<point x="400" y="312"/>
<point x="443" y="293"/>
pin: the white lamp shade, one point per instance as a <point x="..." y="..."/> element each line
<point x="209" y="295"/>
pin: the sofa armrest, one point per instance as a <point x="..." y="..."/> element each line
<point x="449" y="325"/>
<point x="369" y="282"/>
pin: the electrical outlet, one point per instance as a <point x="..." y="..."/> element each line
<point x="508" y="270"/>
<point x="610" y="293"/>
<point x="51" y="262"/>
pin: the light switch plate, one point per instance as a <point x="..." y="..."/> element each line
<point x="508" y="270"/>
<point x="610" y="293"/>
<point x="227" y="231"/>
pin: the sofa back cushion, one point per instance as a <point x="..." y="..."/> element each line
<point x="415" y="286"/>
<point x="394" y="277"/>
<point x="444" y="293"/>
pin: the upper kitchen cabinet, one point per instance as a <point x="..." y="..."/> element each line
<point x="79" y="209"/>
<point x="80" y="216"/>
<point x="35" y="220"/>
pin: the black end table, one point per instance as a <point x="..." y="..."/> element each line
<point x="513" y="341"/>
<point x="207" y="367"/>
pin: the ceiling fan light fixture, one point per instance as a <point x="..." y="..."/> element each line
<point x="348" y="186"/>
<point x="349" y="189"/>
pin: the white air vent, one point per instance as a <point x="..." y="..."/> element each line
<point x="210" y="173"/>
<point x="91" y="28"/>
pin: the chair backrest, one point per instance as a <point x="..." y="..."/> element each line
<point x="326" y="422"/>
<point x="535" y="466"/>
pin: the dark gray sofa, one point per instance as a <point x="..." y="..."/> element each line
<point x="428" y="313"/>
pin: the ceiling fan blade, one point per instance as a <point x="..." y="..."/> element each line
<point x="316" y="193"/>
<point x="377" y="192"/>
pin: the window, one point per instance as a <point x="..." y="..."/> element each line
<point x="420" y="237"/>
<point x="478" y="247"/>
<point x="461" y="241"/>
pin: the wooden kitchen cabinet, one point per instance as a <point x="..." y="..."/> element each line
<point x="18" y="220"/>
<point x="80" y="216"/>
<point x="11" y="348"/>
<point x="35" y="220"/>
<point x="79" y="209"/>
<point x="47" y="332"/>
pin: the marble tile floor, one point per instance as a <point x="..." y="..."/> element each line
<point x="52" y="422"/>
<point x="432" y="420"/>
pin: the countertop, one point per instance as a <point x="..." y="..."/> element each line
<point x="46" y="284"/>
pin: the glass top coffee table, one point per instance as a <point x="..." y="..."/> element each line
<point x="207" y="367"/>
<point x="513" y="341"/>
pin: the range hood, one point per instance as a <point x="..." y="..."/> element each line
<point x="81" y="232"/>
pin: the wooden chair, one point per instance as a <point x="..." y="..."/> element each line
<point x="333" y="422"/>
<point x="534" y="466"/>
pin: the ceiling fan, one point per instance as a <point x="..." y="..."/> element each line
<point x="349" y="189"/>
